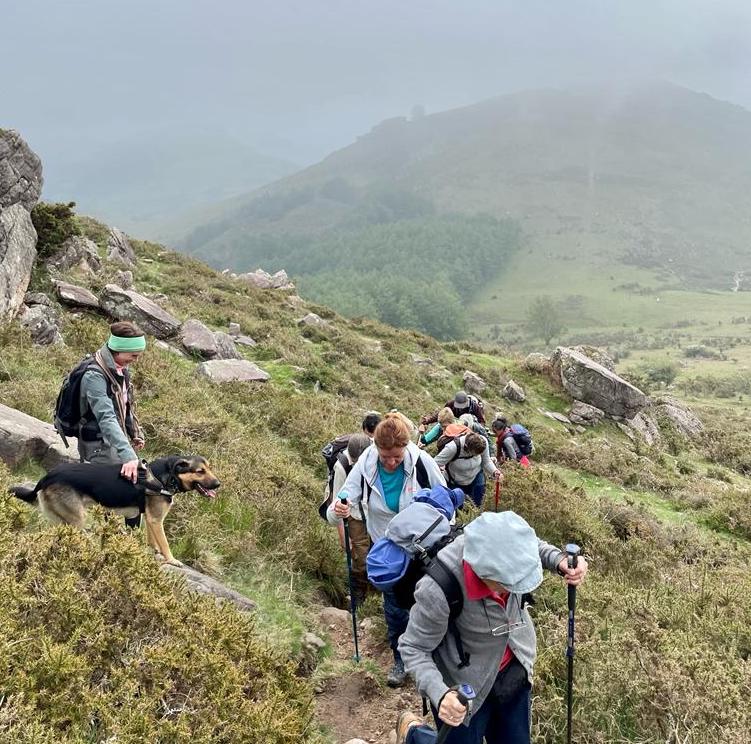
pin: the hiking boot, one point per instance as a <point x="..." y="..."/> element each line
<point x="407" y="720"/>
<point x="397" y="676"/>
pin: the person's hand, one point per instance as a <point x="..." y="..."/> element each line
<point x="573" y="576"/>
<point x="421" y="428"/>
<point x="138" y="443"/>
<point x="451" y="711"/>
<point x="498" y="475"/>
<point x="129" y="470"/>
<point x="421" y="445"/>
<point x="341" y="509"/>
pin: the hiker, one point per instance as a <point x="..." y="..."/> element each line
<point x="385" y="479"/>
<point x="110" y="432"/>
<point x="445" y="417"/>
<point x="466" y="460"/>
<point x="358" y="535"/>
<point x="462" y="403"/>
<point x="369" y="423"/>
<point x="511" y="442"/>
<point x="497" y="560"/>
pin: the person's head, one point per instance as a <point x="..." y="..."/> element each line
<point x="461" y="401"/>
<point x="467" y="419"/>
<point x="391" y="438"/>
<point x="357" y="444"/>
<point x="445" y="417"/>
<point x="369" y="423"/>
<point x="474" y="444"/>
<point x="500" y="424"/>
<point x="126" y="342"/>
<point x="502" y="550"/>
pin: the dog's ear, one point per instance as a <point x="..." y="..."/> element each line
<point x="181" y="465"/>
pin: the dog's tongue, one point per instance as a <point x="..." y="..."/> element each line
<point x="209" y="493"/>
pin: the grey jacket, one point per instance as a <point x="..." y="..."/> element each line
<point x="429" y="652"/>
<point x="378" y="515"/>
<point x="106" y="425"/>
<point x="464" y="469"/>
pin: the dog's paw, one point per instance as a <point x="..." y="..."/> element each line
<point x="175" y="562"/>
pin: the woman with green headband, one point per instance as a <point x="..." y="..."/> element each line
<point x="109" y="431"/>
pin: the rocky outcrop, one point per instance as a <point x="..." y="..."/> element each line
<point x="43" y="323"/>
<point x="18" y="240"/>
<point x="200" y="583"/>
<point x="536" y="362"/>
<point x="680" y="417"/>
<point x="264" y="280"/>
<point x="232" y="370"/>
<point x="585" y="415"/>
<point x="119" y="248"/>
<point x="124" y="279"/>
<point x="125" y="304"/>
<point x="71" y="294"/>
<point x="513" y="391"/>
<point x="596" y="354"/>
<point x="36" y="298"/>
<point x="644" y="425"/>
<point x="197" y="339"/>
<point x="23" y="437"/>
<point x="312" y="320"/>
<point x="588" y="381"/>
<point x="76" y="253"/>
<point x="225" y="345"/>
<point x="473" y="383"/>
<point x="20" y="172"/>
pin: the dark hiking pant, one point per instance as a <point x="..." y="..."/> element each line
<point x="396" y="621"/>
<point x="475" y="490"/>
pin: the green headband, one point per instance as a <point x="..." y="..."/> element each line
<point x="120" y="343"/>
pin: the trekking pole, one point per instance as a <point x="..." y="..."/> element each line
<point x="497" y="492"/>
<point x="572" y="550"/>
<point x="352" y="602"/>
<point x="466" y="695"/>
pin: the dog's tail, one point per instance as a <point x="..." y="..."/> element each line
<point x="25" y="493"/>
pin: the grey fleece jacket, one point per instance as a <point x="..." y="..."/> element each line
<point x="429" y="651"/>
<point x="464" y="469"/>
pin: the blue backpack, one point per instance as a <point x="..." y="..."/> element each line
<point x="523" y="439"/>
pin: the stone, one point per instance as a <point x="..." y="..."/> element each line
<point x="559" y="417"/>
<point x="20" y="172"/>
<point x="590" y="382"/>
<point x="295" y="301"/>
<point x="171" y="349"/>
<point x="18" y="240"/>
<point x="313" y="320"/>
<point x="244" y="341"/>
<point x="23" y="437"/>
<point x="119" y="248"/>
<point x="36" y="298"/>
<point x="421" y="361"/>
<point x="125" y="304"/>
<point x="76" y="253"/>
<point x="312" y="641"/>
<point x="71" y="294"/>
<point x="197" y="339"/>
<point x="585" y="415"/>
<point x="232" y="370"/>
<point x="124" y="279"/>
<point x="473" y="383"/>
<point x="225" y="345"/>
<point x="234" y="329"/>
<point x="333" y="616"/>
<point x="597" y="354"/>
<point x="536" y="362"/>
<point x="280" y="280"/>
<point x="515" y="392"/>
<point x="42" y="323"/>
<point x="263" y="280"/>
<point x="682" y="419"/>
<point x="645" y="426"/>
<point x="199" y="583"/>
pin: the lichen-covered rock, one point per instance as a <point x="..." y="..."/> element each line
<point x="680" y="416"/>
<point x="23" y="437"/>
<point x="197" y="339"/>
<point x="599" y="355"/>
<point x="313" y="320"/>
<point x="76" y="253"/>
<point x="232" y="370"/>
<point x="124" y="279"/>
<point x="200" y="583"/>
<point x="18" y="240"/>
<point x="125" y="304"/>
<point x="585" y="415"/>
<point x="225" y="346"/>
<point x="515" y="392"/>
<point x="473" y="383"/>
<point x="644" y="425"/>
<point x="536" y="362"/>
<point x="71" y="294"/>
<point x="119" y="248"/>
<point x="43" y="324"/>
<point x="36" y="298"/>
<point x="20" y="172"/>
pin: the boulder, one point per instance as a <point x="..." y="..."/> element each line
<point x="24" y="437"/>
<point x="263" y="280"/>
<point x="513" y="391"/>
<point x="680" y="417"/>
<point x="473" y="383"/>
<point x="333" y="617"/>
<point x="588" y="381"/>
<point x="20" y="172"/>
<point x="199" y="583"/>
<point x="232" y="370"/>
<point x="421" y="361"/>
<point x="311" y="319"/>
<point x="645" y="426"/>
<point x="76" y="253"/>
<point x="280" y="280"/>
<point x="197" y="339"/>
<point x="36" y="298"/>
<point x="171" y="349"/>
<point x="18" y="240"/>
<point x="124" y="279"/>
<point x="42" y="323"/>
<point x="597" y="354"/>
<point x="225" y="345"/>
<point x="559" y="417"/>
<point x="585" y="415"/>
<point x="119" y="248"/>
<point x="244" y="340"/>
<point x="71" y="294"/>
<point x="234" y="329"/>
<point x="536" y="362"/>
<point x="125" y="304"/>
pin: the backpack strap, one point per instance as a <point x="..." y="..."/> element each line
<point x="455" y="599"/>
<point x="423" y="479"/>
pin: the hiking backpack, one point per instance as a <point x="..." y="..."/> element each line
<point x="67" y="417"/>
<point x="333" y="452"/>
<point x="522" y="437"/>
<point x="452" y="433"/>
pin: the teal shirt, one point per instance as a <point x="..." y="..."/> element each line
<point x="392" y="485"/>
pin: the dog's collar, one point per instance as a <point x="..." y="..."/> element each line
<point x="168" y="488"/>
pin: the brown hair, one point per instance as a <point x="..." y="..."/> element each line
<point x="474" y="444"/>
<point x="392" y="432"/>
<point x="445" y="417"/>
<point x="126" y="329"/>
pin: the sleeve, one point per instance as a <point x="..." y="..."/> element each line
<point x="431" y="435"/>
<point x="429" y="418"/>
<point x="427" y="627"/>
<point x="550" y="555"/>
<point x="487" y="463"/>
<point x="94" y="389"/>
<point x="446" y="454"/>
<point x="353" y="487"/>
<point x="340" y="476"/>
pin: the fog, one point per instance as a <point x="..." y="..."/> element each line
<point x="296" y="80"/>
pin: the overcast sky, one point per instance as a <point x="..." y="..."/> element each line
<point x="298" y="78"/>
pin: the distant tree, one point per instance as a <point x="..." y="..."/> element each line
<point x="543" y="319"/>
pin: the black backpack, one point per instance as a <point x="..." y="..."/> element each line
<point x="332" y="453"/>
<point x="67" y="417"/>
<point x="522" y="437"/>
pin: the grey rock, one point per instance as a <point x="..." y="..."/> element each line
<point x="199" y="583"/>
<point x="171" y="349"/>
<point x="333" y="616"/>
<point x="71" y="294"/>
<point x="536" y="362"/>
<point x="597" y="354"/>
<point x="311" y="319"/>
<point x="514" y="391"/>
<point x="244" y="341"/>
<point x="36" y="298"/>
<point x="232" y="370"/>
<point x="18" y="241"/>
<point x="312" y="641"/>
<point x="125" y="304"/>
<point x="295" y="301"/>
<point x="42" y="323"/>
<point x="263" y="280"/>
<point x="680" y="416"/>
<point x="76" y="253"/>
<point x="197" y="339"/>
<point x="473" y="383"/>
<point x="421" y="361"/>
<point x="645" y="426"/>
<point x="225" y="345"/>
<point x="234" y="329"/>
<point x="119" y="248"/>
<point x="20" y="172"/>
<point x="124" y="278"/>
<point x="588" y="381"/>
<point x="559" y="417"/>
<point x="585" y="415"/>
<point x="24" y="437"/>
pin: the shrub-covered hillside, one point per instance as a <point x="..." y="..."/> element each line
<point x="96" y="647"/>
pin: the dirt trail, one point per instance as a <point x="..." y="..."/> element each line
<point x="356" y="703"/>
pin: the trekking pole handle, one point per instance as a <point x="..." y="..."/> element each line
<point x="466" y="695"/>
<point x="572" y="551"/>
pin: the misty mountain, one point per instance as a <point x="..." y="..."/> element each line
<point x="152" y="183"/>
